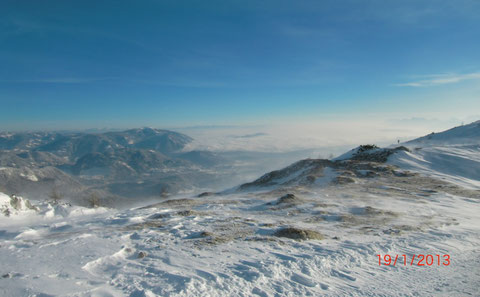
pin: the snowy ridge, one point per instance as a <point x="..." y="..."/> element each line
<point x="463" y="135"/>
<point x="452" y="155"/>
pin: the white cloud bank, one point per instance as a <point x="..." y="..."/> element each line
<point x="314" y="134"/>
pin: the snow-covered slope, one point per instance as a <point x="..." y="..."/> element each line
<point x="452" y="155"/>
<point x="239" y="245"/>
<point x="463" y="135"/>
<point x="458" y="164"/>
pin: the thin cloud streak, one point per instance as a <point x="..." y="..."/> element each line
<point x="67" y="80"/>
<point x="441" y="79"/>
<point x="80" y="80"/>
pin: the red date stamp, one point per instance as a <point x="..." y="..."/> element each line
<point x="414" y="260"/>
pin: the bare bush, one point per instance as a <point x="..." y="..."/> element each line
<point x="93" y="201"/>
<point x="55" y="196"/>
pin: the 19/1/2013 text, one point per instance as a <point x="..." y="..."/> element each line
<point x="414" y="260"/>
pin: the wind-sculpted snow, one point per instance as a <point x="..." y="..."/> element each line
<point x="458" y="164"/>
<point x="319" y="241"/>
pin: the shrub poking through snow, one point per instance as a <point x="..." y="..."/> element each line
<point x="93" y="201"/>
<point x="55" y="196"/>
<point x="367" y="147"/>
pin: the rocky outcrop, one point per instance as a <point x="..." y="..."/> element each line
<point x="298" y="234"/>
<point x="366" y="161"/>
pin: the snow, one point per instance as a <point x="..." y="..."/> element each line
<point x="347" y="155"/>
<point x="4" y="199"/>
<point x="14" y="206"/>
<point x="466" y="134"/>
<point x="30" y="177"/>
<point x="97" y="252"/>
<point x="452" y="155"/>
<point x="458" y="164"/>
<point x="328" y="176"/>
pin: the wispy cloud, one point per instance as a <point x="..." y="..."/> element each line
<point x="85" y="80"/>
<point x="67" y="80"/>
<point x="440" y="79"/>
<point x="252" y="135"/>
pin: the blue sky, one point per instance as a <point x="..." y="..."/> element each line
<point x="84" y="64"/>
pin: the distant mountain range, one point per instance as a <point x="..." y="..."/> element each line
<point x="76" y="145"/>
<point x="151" y="163"/>
<point x="75" y="163"/>
<point x="122" y="165"/>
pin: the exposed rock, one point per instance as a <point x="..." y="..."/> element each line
<point x="186" y="213"/>
<point x="342" y="180"/>
<point x="366" y="161"/>
<point x="298" y="234"/>
<point x="206" y="194"/>
<point x="372" y="153"/>
<point x="206" y="234"/>
<point x="366" y="147"/>
<point x="372" y="211"/>
<point x="402" y="173"/>
<point x="347" y="173"/>
<point x="288" y="199"/>
<point x="267" y="224"/>
<point x="173" y="202"/>
<point x="144" y="225"/>
<point x="158" y="216"/>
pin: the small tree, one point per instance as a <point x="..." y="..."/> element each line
<point x="55" y="195"/>
<point x="93" y="200"/>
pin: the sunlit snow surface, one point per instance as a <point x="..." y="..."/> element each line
<point x="458" y="164"/>
<point x="73" y="251"/>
